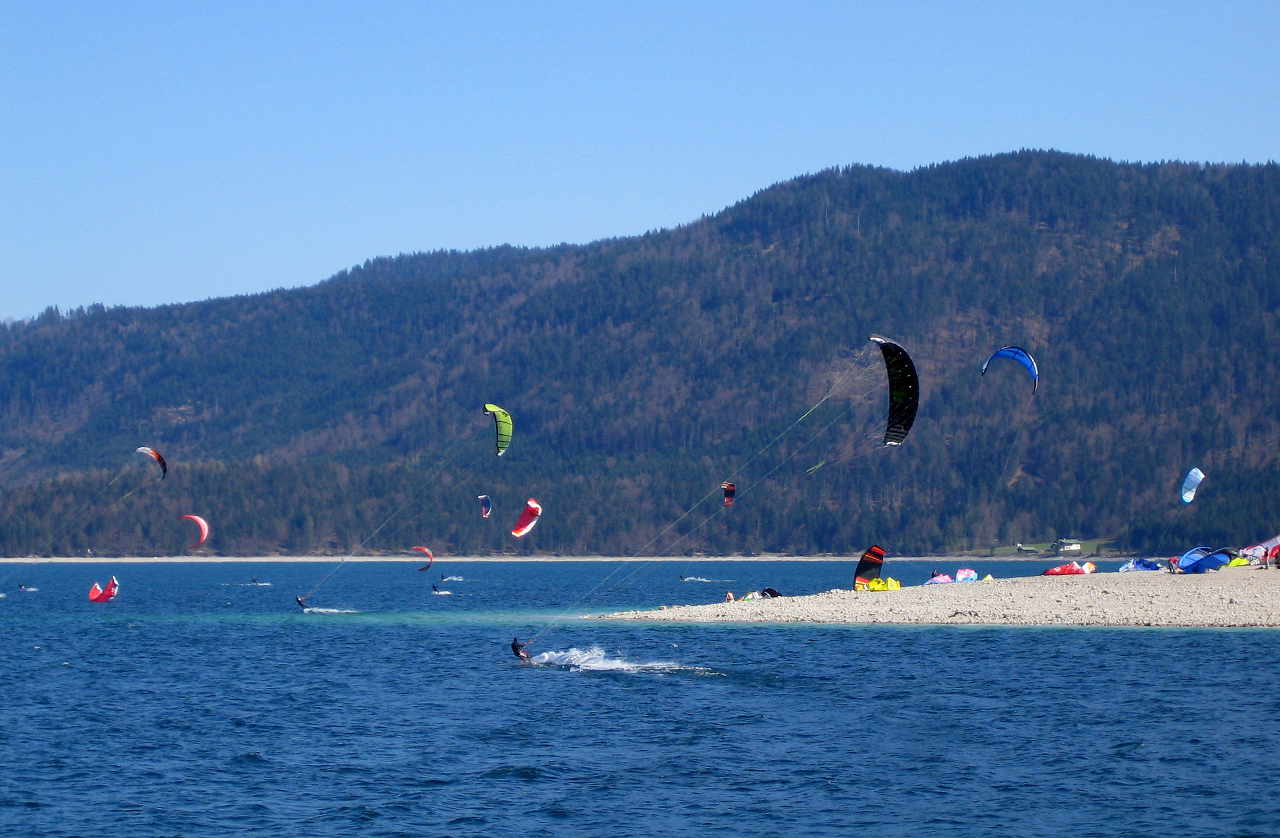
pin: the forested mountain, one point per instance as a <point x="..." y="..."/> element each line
<point x="643" y="371"/>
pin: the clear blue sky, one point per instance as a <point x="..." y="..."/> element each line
<point x="163" y="152"/>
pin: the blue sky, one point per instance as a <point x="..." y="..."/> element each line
<point x="164" y="152"/>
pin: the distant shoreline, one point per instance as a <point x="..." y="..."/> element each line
<point x="532" y="559"/>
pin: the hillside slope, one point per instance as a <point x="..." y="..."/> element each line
<point x="643" y="371"/>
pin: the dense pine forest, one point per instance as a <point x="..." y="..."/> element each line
<point x="643" y="371"/>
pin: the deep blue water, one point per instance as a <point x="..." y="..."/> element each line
<point x="195" y="705"/>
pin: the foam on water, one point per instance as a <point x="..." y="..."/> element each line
<point x="595" y="659"/>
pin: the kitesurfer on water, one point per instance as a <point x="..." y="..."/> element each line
<point x="518" y="649"/>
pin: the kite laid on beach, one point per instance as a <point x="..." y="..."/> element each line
<point x="869" y="567"/>
<point x="100" y="594"/>
<point x="501" y="426"/>
<point x="1022" y="356"/>
<point x="155" y="455"/>
<point x="1138" y="564"/>
<point x="1201" y="559"/>
<point x="1071" y="569"/>
<point x="1190" y="483"/>
<point x="202" y="524"/>
<point x="1264" y="551"/>
<point x="528" y="518"/>
<point x="904" y="390"/>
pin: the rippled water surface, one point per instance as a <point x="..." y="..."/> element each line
<point x="197" y="704"/>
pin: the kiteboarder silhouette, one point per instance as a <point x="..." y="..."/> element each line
<point x="302" y="603"/>
<point x="518" y="649"/>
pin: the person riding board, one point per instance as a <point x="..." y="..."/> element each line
<point x="518" y="649"/>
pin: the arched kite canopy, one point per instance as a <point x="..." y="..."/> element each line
<point x="904" y="390"/>
<point x="202" y="524"/>
<point x="486" y="505"/>
<point x="1190" y="483"/>
<point x="431" y="557"/>
<point x="501" y="426"/>
<point x="528" y="518"/>
<point x="97" y="593"/>
<point x="729" y="490"/>
<point x="155" y="455"/>
<point x="1022" y="356"/>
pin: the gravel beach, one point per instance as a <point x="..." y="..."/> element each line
<point x="1245" y="596"/>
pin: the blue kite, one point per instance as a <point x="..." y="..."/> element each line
<point x="1022" y="356"/>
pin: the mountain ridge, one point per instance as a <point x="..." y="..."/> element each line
<point x="653" y="366"/>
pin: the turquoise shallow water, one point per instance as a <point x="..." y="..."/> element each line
<point x="199" y="705"/>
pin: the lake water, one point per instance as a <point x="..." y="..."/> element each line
<point x="197" y="704"/>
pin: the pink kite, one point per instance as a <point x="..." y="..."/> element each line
<point x="430" y="557"/>
<point x="202" y="524"/>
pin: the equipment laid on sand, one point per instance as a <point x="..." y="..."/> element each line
<point x="869" y="567"/>
<point x="1265" y="551"/>
<point x="1202" y="559"/>
<point x="1071" y="569"/>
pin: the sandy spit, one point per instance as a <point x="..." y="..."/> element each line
<point x="1230" y="597"/>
